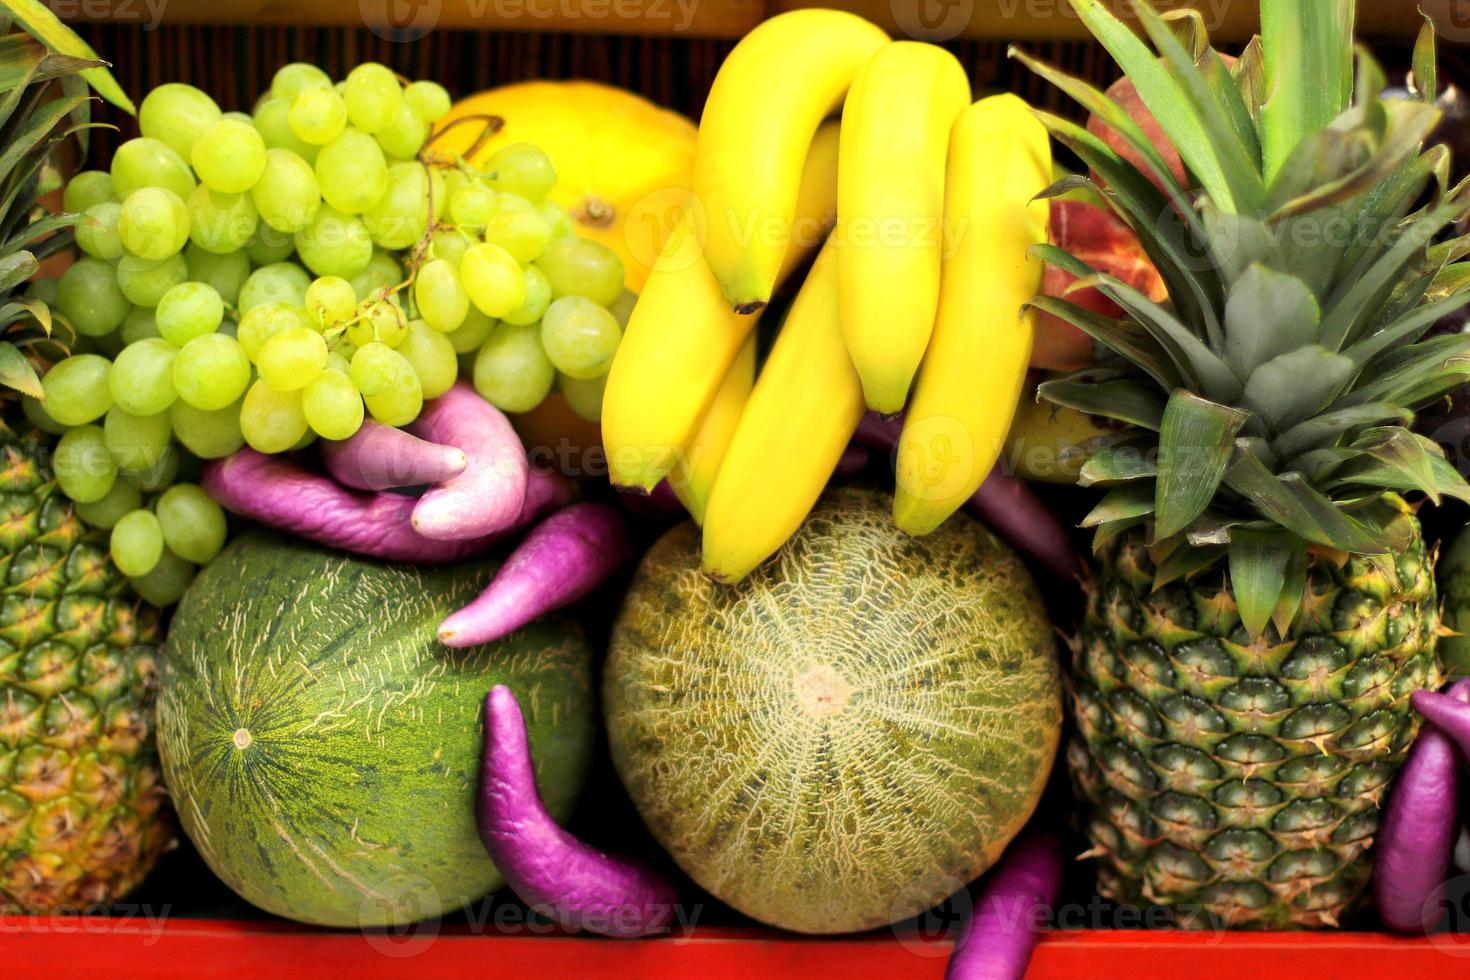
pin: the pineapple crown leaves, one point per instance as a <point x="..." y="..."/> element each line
<point x="44" y="73"/>
<point x="1269" y="397"/>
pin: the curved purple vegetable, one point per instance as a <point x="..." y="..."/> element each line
<point x="380" y="457"/>
<point x="854" y="460"/>
<point x="273" y="491"/>
<point x="1450" y="714"/>
<point x="1014" y="512"/>
<point x="564" y="558"/>
<point x="488" y="495"/>
<point x="996" y="943"/>
<point x="1420" y="824"/>
<point x="550" y="870"/>
<point x="1005" y="503"/>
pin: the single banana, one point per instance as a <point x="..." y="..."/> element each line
<point x="683" y="336"/>
<point x="769" y="97"/>
<point x="806" y="404"/>
<point x="693" y="476"/>
<point x="957" y="421"/>
<point x="890" y="210"/>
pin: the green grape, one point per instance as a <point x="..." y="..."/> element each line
<point x="341" y="347"/>
<point x="404" y="135"/>
<point x="511" y="371"/>
<point x="290" y="359"/>
<point x="86" y="190"/>
<point x="382" y="272"/>
<point x="161" y="474"/>
<point x="473" y="205"/>
<point x="229" y="156"/>
<point x="142" y="377"/>
<point x="335" y="244"/>
<point x="538" y="298"/>
<point x="287" y="195"/>
<point x="556" y="218"/>
<point x="137" y="442"/>
<point x="43" y="290"/>
<point x="398" y="220"/>
<point x="239" y="116"/>
<point x="581" y="267"/>
<point x="153" y="223"/>
<point x="211" y="371"/>
<point x="332" y="405"/>
<point x="97" y="231"/>
<point x="221" y="223"/>
<point x="584" y="395"/>
<point x="89" y="297"/>
<point x="339" y="362"/>
<point x="441" y="298"/>
<point x="139" y="324"/>
<point x="428" y="100"/>
<point x="472" y="333"/>
<point x="271" y="420"/>
<point x="263" y="322"/>
<point x="76" y="389"/>
<point x="37" y="415"/>
<point x="189" y="310"/>
<point x="455" y="180"/>
<point x="207" y="434"/>
<point x="272" y="120"/>
<point x="144" y="281"/>
<point x="492" y="278"/>
<point x="106" y="512"/>
<point x="269" y="246"/>
<point x="166" y="583"/>
<point x="145" y="162"/>
<point x="292" y="78"/>
<point x="622" y="307"/>
<point x="390" y="326"/>
<point x="516" y="226"/>
<point x="317" y="115"/>
<point x="352" y="172"/>
<point x="375" y="366"/>
<point x="403" y="400"/>
<point x="279" y="282"/>
<point x="137" y="542"/>
<point x="83" y="466"/>
<point x="330" y="300"/>
<point x="449" y="244"/>
<point x="432" y="357"/>
<point x="580" y="337"/>
<point x="523" y="169"/>
<point x="373" y="96"/>
<point x="226" y="273"/>
<point x="176" y="114"/>
<point x="193" y="524"/>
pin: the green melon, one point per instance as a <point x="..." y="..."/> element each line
<point x="850" y="734"/>
<point x="322" y="747"/>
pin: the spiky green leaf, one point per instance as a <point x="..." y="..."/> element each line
<point x="1308" y="46"/>
<point x="1267" y="314"/>
<point x="1122" y="503"/>
<point x="1291" y="502"/>
<point x="44" y="25"/>
<point x="1297" y="385"/>
<point x="1426" y="72"/>
<point x="1259" y="561"/>
<point x="1195" y="443"/>
<point x="1125" y="400"/>
<point x="1324" y="430"/>
<point x="16" y="372"/>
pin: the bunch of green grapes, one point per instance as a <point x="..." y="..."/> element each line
<point x="272" y="278"/>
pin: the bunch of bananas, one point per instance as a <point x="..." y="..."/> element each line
<point x="922" y="210"/>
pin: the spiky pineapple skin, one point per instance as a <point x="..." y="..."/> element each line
<point x="81" y="797"/>
<point x="1240" y="782"/>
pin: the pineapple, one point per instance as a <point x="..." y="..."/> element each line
<point x="1263" y="603"/>
<point x="80" y="790"/>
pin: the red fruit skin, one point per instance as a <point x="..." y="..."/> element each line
<point x="1126" y="96"/>
<point x="1104" y="242"/>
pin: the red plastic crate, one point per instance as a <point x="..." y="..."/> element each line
<point x="209" y="948"/>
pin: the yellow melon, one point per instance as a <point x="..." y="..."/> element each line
<point x="622" y="163"/>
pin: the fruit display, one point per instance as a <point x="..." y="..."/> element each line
<point x="886" y="505"/>
<point x="866" y="719"/>
<point x="269" y="280"/>
<point x="1263" y="601"/>
<point x="323" y="756"/>
<point x="81" y="798"/>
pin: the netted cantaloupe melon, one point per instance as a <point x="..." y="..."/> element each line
<point x="850" y="734"/>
